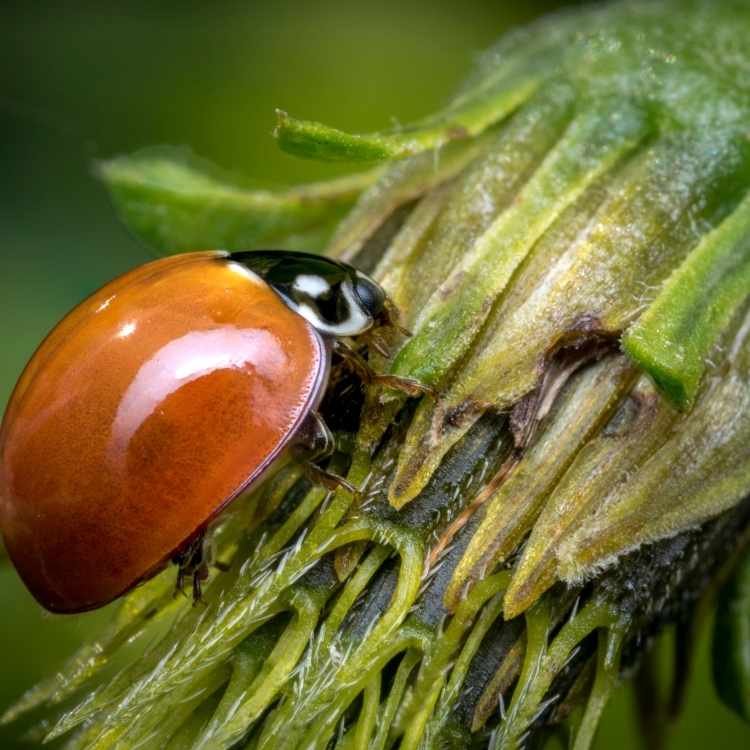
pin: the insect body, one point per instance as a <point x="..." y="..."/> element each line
<point x="160" y="399"/>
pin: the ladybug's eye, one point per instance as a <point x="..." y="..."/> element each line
<point x="370" y="295"/>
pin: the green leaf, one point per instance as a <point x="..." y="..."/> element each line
<point x="674" y="338"/>
<point x="731" y="642"/>
<point x="178" y="202"/>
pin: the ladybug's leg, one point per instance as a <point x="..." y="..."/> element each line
<point x="191" y="561"/>
<point x="367" y="375"/>
<point x="199" y="575"/>
<point x="180" y="583"/>
<point x="314" y="442"/>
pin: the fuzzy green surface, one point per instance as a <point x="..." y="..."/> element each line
<point x="673" y="339"/>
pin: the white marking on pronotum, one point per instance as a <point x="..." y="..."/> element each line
<point x="312" y="285"/>
<point x="356" y="321"/>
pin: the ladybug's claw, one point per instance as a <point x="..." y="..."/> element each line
<point x="328" y="479"/>
<point x="179" y="587"/>
<point x="407" y="385"/>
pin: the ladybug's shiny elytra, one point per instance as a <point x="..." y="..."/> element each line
<point x="160" y="399"/>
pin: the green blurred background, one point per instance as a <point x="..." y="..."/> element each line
<point x="79" y="81"/>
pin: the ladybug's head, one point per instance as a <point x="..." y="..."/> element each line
<point x="370" y="294"/>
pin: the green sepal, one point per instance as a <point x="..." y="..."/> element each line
<point x="674" y="338"/>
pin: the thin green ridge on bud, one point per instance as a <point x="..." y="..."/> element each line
<point x="674" y="338"/>
<point x="399" y="184"/>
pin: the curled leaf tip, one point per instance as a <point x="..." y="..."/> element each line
<point x="314" y="140"/>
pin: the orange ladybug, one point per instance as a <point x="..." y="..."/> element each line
<point x="160" y="399"/>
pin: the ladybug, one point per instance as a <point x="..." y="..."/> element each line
<point x="160" y="399"/>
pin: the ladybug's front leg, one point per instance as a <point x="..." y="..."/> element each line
<point x="314" y="442"/>
<point x="367" y="375"/>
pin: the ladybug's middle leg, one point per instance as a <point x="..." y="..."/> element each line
<point x="314" y="442"/>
